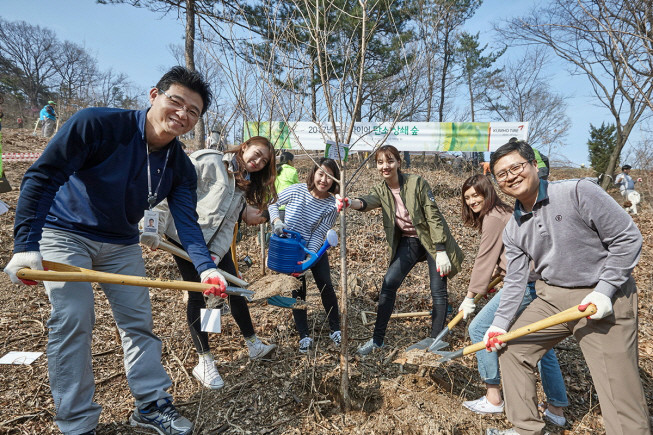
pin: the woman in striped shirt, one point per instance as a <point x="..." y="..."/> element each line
<point x="311" y="211"/>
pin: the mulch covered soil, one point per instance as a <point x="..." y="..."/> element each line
<point x="293" y="393"/>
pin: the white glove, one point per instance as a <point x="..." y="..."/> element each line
<point x="493" y="344"/>
<point x="342" y="203"/>
<point x="467" y="307"/>
<point x="151" y="240"/>
<point x="20" y="260"/>
<point x="443" y="263"/>
<point x="212" y="276"/>
<point x="278" y="227"/>
<point x="602" y="302"/>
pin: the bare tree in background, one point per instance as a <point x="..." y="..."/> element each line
<point x="521" y="92"/>
<point x="33" y="49"/>
<point x="76" y="73"/>
<point x="583" y="33"/>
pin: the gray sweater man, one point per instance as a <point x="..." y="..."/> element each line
<point x="584" y="246"/>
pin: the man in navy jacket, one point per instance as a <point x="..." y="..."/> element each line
<point x="80" y="204"/>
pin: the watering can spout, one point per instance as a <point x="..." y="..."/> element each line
<point x="331" y="240"/>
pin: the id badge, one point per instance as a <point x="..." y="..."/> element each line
<point x="210" y="320"/>
<point x="151" y="221"/>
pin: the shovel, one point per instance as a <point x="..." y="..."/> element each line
<point x="277" y="301"/>
<point x="64" y="272"/>
<point x="569" y="315"/>
<point x="437" y="343"/>
<point x="174" y="250"/>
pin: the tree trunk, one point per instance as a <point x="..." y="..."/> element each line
<point x="344" y="352"/>
<point x="189" y="54"/>
<point x="445" y="69"/>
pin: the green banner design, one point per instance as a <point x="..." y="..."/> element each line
<point x="276" y="131"/>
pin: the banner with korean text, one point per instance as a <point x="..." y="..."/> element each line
<point x="406" y="136"/>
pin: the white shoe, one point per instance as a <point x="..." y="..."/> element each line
<point x="483" y="406"/>
<point x="258" y="349"/>
<point x="558" y="420"/>
<point x="336" y="337"/>
<point x="207" y="374"/>
<point x="305" y="344"/>
<point x="510" y="431"/>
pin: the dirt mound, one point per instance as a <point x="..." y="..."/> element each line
<point x="293" y="393"/>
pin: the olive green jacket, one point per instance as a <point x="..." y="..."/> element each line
<point x="432" y="230"/>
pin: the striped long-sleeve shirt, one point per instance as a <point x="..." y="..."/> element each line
<point x="309" y="216"/>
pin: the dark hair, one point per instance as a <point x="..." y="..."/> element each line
<point x="329" y="163"/>
<point x="193" y="80"/>
<point x="523" y="148"/>
<point x="389" y="150"/>
<point x="259" y="188"/>
<point x="625" y="167"/>
<point x="483" y="186"/>
<point x="284" y="158"/>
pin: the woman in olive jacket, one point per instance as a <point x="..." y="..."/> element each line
<point x="416" y="231"/>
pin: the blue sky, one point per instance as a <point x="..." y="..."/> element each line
<point x="136" y="42"/>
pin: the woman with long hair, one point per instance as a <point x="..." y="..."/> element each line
<point x="483" y="210"/>
<point x="415" y="231"/>
<point x="231" y="187"/>
<point x="311" y="211"/>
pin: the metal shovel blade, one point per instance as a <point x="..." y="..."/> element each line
<point x="437" y="345"/>
<point x="422" y="345"/>
<point x="448" y="356"/>
<point x="286" y="302"/>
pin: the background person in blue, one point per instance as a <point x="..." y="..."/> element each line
<point x="48" y="119"/>
<point x="83" y="199"/>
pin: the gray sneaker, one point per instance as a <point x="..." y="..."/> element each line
<point x="336" y="337"/>
<point x="368" y="347"/>
<point x="305" y="344"/>
<point x="161" y="416"/>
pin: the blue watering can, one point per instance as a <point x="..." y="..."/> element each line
<point x="286" y="251"/>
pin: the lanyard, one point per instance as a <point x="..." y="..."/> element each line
<point x="151" y="197"/>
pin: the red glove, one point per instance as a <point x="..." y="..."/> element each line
<point x="212" y="276"/>
<point x="492" y="343"/>
<point x="342" y="203"/>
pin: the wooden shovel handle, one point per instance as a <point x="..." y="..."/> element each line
<point x="65" y="272"/>
<point x="477" y="298"/>
<point x="175" y="250"/>
<point x="568" y="315"/>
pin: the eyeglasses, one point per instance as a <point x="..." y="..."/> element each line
<point x="179" y="104"/>
<point x="515" y="169"/>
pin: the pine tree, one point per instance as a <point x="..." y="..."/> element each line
<point x="601" y="145"/>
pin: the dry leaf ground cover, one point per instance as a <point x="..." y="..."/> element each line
<point x="291" y="393"/>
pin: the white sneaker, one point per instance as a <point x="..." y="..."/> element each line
<point x="558" y="420"/>
<point x="336" y="337"/>
<point x="482" y="406"/>
<point x="305" y="344"/>
<point x="207" y="374"/>
<point x="510" y="431"/>
<point x="258" y="349"/>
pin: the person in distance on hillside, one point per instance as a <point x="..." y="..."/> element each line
<point x="584" y="247"/>
<point x="82" y="200"/>
<point x="286" y="176"/>
<point x="49" y="119"/>
<point x="415" y="231"/>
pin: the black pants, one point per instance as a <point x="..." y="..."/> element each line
<point x="196" y="302"/>
<point x="409" y="253"/>
<point x="322" y="276"/>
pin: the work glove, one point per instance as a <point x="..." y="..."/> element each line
<point x="342" y="203"/>
<point x="151" y="240"/>
<point x="278" y="227"/>
<point x="467" y="307"/>
<point x="493" y="344"/>
<point x="212" y="276"/>
<point x="443" y="263"/>
<point x="20" y="260"/>
<point x="639" y="180"/>
<point x="602" y="302"/>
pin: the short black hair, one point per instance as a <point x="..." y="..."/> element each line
<point x="625" y="167"/>
<point x="523" y="148"/>
<point x="193" y="80"/>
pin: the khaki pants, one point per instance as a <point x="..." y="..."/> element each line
<point x="609" y="346"/>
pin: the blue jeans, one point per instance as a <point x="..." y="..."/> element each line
<point x="488" y="362"/>
<point x="71" y="329"/>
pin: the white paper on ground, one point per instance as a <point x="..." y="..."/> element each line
<point x="210" y="320"/>
<point x="4" y="208"/>
<point x="17" y="357"/>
